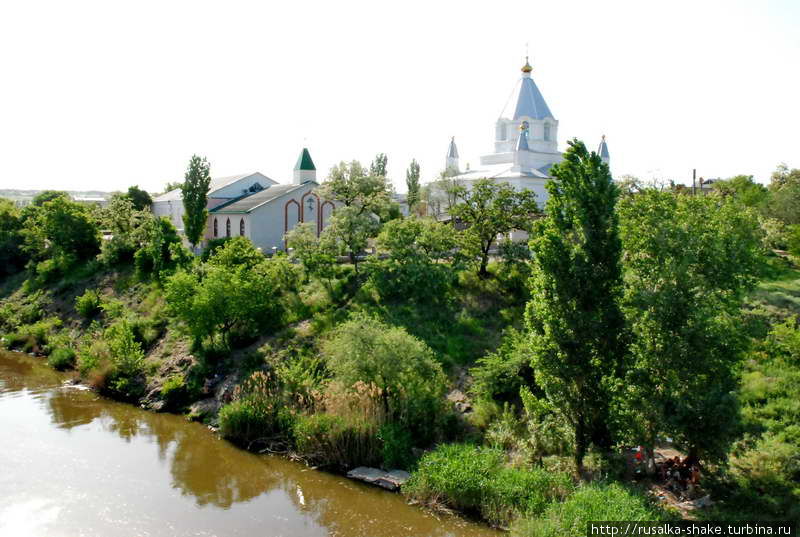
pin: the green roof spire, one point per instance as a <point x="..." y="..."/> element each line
<point x="304" y="161"/>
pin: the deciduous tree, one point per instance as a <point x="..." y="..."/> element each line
<point x="412" y="184"/>
<point x="195" y="198"/>
<point x="489" y="209"/>
<point x="576" y="324"/>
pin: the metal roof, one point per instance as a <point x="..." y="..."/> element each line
<point x="529" y="101"/>
<point x="602" y="150"/>
<point x="304" y="161"/>
<point x="217" y="183"/>
<point x="452" y="151"/>
<point x="247" y="203"/>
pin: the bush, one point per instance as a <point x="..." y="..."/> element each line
<point x="473" y="479"/>
<point x="499" y="375"/>
<point x="62" y="358"/>
<point x="334" y="441"/>
<point x="593" y="502"/>
<point x="402" y="367"/>
<point x="174" y="391"/>
<point x="396" y="444"/>
<point x="127" y="361"/>
<point x="88" y="304"/>
<point x="257" y="412"/>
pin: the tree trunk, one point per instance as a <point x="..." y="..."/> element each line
<point x="354" y="261"/>
<point x="580" y="446"/>
<point x="482" y="272"/>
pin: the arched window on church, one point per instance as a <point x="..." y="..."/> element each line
<point x="216" y="228"/>
<point x="241" y="227"/>
<point x="547" y="131"/>
<point x="228" y="227"/>
<point x="501" y="131"/>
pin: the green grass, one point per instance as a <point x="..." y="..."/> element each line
<point x="591" y="502"/>
<point x="474" y="480"/>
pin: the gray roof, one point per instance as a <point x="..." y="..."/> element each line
<point x="216" y="184"/>
<point x="452" y="151"/>
<point x="246" y="204"/>
<point x="529" y="102"/>
<point x="603" y="149"/>
<point x="522" y="141"/>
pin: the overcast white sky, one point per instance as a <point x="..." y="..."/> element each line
<point x="105" y="94"/>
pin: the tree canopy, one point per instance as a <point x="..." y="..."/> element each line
<point x="576" y="324"/>
<point x="195" y="198"/>
<point x="489" y="209"/>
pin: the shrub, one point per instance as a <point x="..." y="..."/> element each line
<point x="473" y="479"/>
<point x="257" y="412"/>
<point x="402" y="367"/>
<point x="499" y="375"/>
<point x="396" y="444"/>
<point x="62" y="358"/>
<point x="127" y="361"/>
<point x="592" y="502"/>
<point x="334" y="441"/>
<point x="174" y="391"/>
<point x="88" y="304"/>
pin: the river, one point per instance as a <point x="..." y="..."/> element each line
<point x="75" y="464"/>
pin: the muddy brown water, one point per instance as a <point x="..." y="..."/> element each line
<point x="75" y="464"/>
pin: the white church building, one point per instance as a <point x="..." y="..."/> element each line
<point x="525" y="144"/>
<point x="256" y="206"/>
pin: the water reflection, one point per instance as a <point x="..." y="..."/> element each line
<point x="229" y="491"/>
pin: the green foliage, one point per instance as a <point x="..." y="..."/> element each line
<point x="412" y="383"/>
<point x="590" y="503"/>
<point x="412" y="185"/>
<point x="744" y="190"/>
<point x="235" y="296"/>
<point x="490" y="209"/>
<point x="175" y="391"/>
<point x="127" y="357"/>
<point x="349" y="231"/>
<point x="351" y="185"/>
<point x="195" y="193"/>
<point x="474" y="479"/>
<point x="765" y="462"/>
<point x="122" y="220"/>
<point x="60" y="232"/>
<point x="784" y="203"/>
<point x="212" y="246"/>
<point x="396" y="446"/>
<point x="574" y="316"/>
<point x="88" y="304"/>
<point x="318" y="257"/>
<point x="377" y="167"/>
<point x="412" y="271"/>
<point x="61" y="358"/>
<point x="257" y="412"/>
<point x="793" y="240"/>
<point x="12" y="256"/>
<point x="160" y="247"/>
<point x="335" y="441"/>
<point x="48" y="195"/>
<point x="140" y="199"/>
<point x="236" y="252"/>
<point x="500" y="374"/>
<point x="689" y="261"/>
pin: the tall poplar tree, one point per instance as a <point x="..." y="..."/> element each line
<point x="577" y="326"/>
<point x="412" y="183"/>
<point x="195" y="198"/>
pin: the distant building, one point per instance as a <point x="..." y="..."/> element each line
<point x="90" y="200"/>
<point x="525" y="143"/>
<point x="256" y="206"/>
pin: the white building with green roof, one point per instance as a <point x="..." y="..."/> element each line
<point x="256" y="206"/>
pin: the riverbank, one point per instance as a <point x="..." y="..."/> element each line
<point x="81" y="464"/>
<point x="283" y="390"/>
